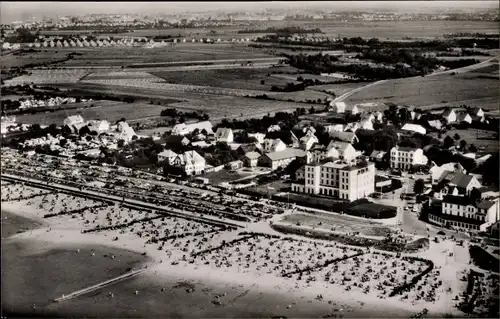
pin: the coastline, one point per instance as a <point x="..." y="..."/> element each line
<point x="254" y="294"/>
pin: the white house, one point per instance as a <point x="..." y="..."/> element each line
<point x="477" y="111"/>
<point x="191" y="162"/>
<point x="463" y="117"/>
<point x="449" y="115"/>
<point x="436" y="171"/>
<point x="342" y="150"/>
<point x="251" y="159"/>
<point x="414" y="128"/>
<point x="462" y="213"/>
<point x="337" y="107"/>
<point x="273" y="145"/>
<point x="334" y="128"/>
<point x="366" y="124"/>
<point x="99" y="126"/>
<point x="183" y="128"/>
<point x="307" y="141"/>
<point x="273" y="128"/>
<point x="224" y="135"/>
<point x="355" y="110"/>
<point x="73" y="119"/>
<point x="258" y="136"/>
<point x="406" y="157"/>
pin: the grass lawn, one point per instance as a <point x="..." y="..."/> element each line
<point x="338" y="222"/>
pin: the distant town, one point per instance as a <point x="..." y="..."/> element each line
<point x="276" y="164"/>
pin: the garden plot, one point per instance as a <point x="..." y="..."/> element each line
<point x="261" y="254"/>
<point x="121" y="75"/>
<point x="48" y="77"/>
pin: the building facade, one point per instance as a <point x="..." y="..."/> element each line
<point x="337" y="179"/>
<point x="405" y="158"/>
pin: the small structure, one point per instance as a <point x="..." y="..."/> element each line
<point x="251" y="159"/>
<point x="414" y="128"/>
<point x="235" y="165"/>
<point x="224" y="135"/>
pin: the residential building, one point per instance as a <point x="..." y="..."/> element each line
<point x="338" y="179"/>
<point x="463" y="182"/>
<point x="366" y="124"/>
<point x="337" y="107"/>
<point x="258" y="136"/>
<point x="282" y="158"/>
<point x="334" y="128"/>
<point x="307" y="142"/>
<point x="273" y="145"/>
<point x="464" y="117"/>
<point x="235" y="165"/>
<point x="224" y="135"/>
<point x="247" y="148"/>
<point x="191" y="162"/>
<point x="348" y="137"/>
<point x="477" y="111"/>
<point x="72" y="120"/>
<point x="7" y="121"/>
<point x="377" y="156"/>
<point x="414" y="128"/>
<point x="405" y="158"/>
<point x="352" y="127"/>
<point x="273" y="128"/>
<point x="342" y="150"/>
<point x="437" y="171"/>
<point x="355" y="110"/>
<point x="449" y="115"/>
<point x="435" y="124"/>
<point x="251" y="159"/>
<point x="462" y="213"/>
<point x="99" y="126"/>
<point x="183" y="128"/>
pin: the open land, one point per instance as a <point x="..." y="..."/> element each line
<point x="109" y="110"/>
<point x="432" y="91"/>
<point x="378" y="29"/>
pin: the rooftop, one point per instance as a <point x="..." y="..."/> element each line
<point x="287" y="153"/>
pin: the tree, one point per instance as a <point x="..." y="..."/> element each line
<point x="262" y="82"/>
<point x="121" y="143"/>
<point x="84" y="131"/>
<point x="448" y="142"/>
<point x="456" y="137"/>
<point x="462" y="144"/>
<point x="419" y="186"/>
<point x="88" y="138"/>
<point x="472" y="148"/>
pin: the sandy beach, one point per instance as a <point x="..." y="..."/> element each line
<point x="220" y="280"/>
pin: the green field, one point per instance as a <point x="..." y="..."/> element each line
<point x="8" y="61"/>
<point x="122" y="56"/>
<point x="111" y="111"/>
<point x="433" y="91"/>
<point x="238" y="78"/>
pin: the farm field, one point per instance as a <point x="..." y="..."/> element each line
<point x="217" y="106"/>
<point x="428" y="92"/>
<point x="109" y="111"/>
<point x="48" y="76"/>
<point x="228" y="78"/>
<point x="118" y="56"/>
<point x="337" y="89"/>
<point x="43" y="56"/>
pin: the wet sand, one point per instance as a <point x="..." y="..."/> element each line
<point x="13" y="224"/>
<point x="35" y="272"/>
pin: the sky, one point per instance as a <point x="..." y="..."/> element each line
<point x="21" y="10"/>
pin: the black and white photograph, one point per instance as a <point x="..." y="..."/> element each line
<point x="258" y="159"/>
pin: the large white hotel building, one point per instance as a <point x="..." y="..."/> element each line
<point x="337" y="179"/>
